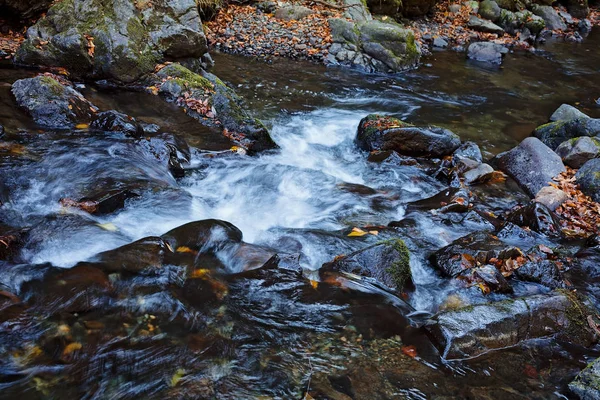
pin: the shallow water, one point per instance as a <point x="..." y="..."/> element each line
<point x="274" y="333"/>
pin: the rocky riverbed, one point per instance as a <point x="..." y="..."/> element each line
<point x="178" y="223"/>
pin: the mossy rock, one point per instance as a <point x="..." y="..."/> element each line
<point x="388" y="262"/>
<point x="588" y="178"/>
<point x="555" y="133"/>
<point x="390" y="44"/>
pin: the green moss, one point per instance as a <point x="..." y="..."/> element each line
<point x="186" y="78"/>
<point x="54" y="86"/>
<point x="400" y="269"/>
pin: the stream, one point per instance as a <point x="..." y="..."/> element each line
<point x="269" y="333"/>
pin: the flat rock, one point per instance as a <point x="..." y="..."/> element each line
<point x="531" y="164"/>
<point x="551" y="197"/>
<point x="292" y="13"/>
<point x="486" y="52"/>
<point x="483" y="25"/>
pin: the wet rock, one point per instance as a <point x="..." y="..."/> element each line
<point x="531" y="164"/>
<point x="170" y="151"/>
<point x="102" y="203"/>
<point x="566" y="112"/>
<point x="480" y="174"/>
<point x="483" y="25"/>
<point x="551" y="197"/>
<point x="555" y="133"/>
<point x="486" y="52"/>
<point x="586" y="384"/>
<point x="550" y="15"/>
<point x="201" y="235"/>
<point x="588" y="179"/>
<point x="544" y="272"/>
<point x="469" y="154"/>
<point x="489" y="276"/>
<point x="440" y="43"/>
<point x="489" y="9"/>
<point x="11" y="242"/>
<point x="24" y="9"/>
<point x="585" y="26"/>
<point x="471" y="331"/>
<point x="51" y="103"/>
<point x="578" y="151"/>
<point x="538" y="218"/>
<point x="448" y="200"/>
<point x="212" y="103"/>
<point x="292" y="12"/>
<point x="388" y="262"/>
<point x="115" y="121"/>
<point x="118" y="40"/>
<point x="146" y="254"/>
<point x="377" y="132"/>
<point x="239" y="257"/>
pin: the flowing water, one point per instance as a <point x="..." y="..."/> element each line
<point x="272" y="333"/>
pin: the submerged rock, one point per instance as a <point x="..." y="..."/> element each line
<point x="566" y="112"/>
<point x="486" y="52"/>
<point x="51" y="103"/>
<point x="376" y="132"/>
<point x="578" y="151"/>
<point x="388" y="262"/>
<point x="588" y="179"/>
<point x="531" y="164"/>
<point x="555" y="133"/>
<point x="208" y="100"/>
<point x="116" y="40"/>
<point x="115" y="121"/>
<point x="142" y="255"/>
<point x="475" y="330"/>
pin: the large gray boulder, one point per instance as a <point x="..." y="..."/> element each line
<point x="372" y="46"/>
<point x="52" y="104"/>
<point x="550" y="16"/>
<point x="566" y="112"/>
<point x="486" y="52"/>
<point x="588" y="179"/>
<point x="555" y="133"/>
<point x="531" y="164"/>
<point x="578" y="151"/>
<point x="472" y="331"/>
<point x="120" y="40"/>
<point x="376" y="132"/>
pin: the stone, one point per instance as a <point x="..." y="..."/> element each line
<point x="536" y="217"/>
<point x="586" y="384"/>
<point x="292" y="12"/>
<point x="578" y="151"/>
<point x="585" y="26"/>
<point x="102" y="203"/>
<point x="544" y="272"/>
<point x="551" y="197"/>
<point x="550" y="16"/>
<point x="356" y="10"/>
<point x="387" y="262"/>
<point x="578" y="8"/>
<point x="467" y="151"/>
<point x="488" y="275"/>
<point x="489" y="9"/>
<point x="588" y="179"/>
<point x="566" y="112"/>
<point x="142" y="255"/>
<point x="51" y="103"/>
<point x="376" y="132"/>
<point x="389" y="43"/>
<point x="440" y="43"/>
<point x="114" y="121"/>
<point x="471" y="331"/>
<point x="454" y="8"/>
<point x="483" y="25"/>
<point x="199" y="235"/>
<point x="128" y="41"/>
<point x="385" y="7"/>
<point x="480" y="174"/>
<point x="555" y="133"/>
<point x="416" y="8"/>
<point x="531" y="164"/>
<point x="486" y="52"/>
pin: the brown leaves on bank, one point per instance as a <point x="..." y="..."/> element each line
<point x="580" y="214"/>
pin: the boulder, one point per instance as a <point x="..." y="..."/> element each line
<point x="114" y="121"/>
<point x="118" y="40"/>
<point x="376" y="132"/>
<point x="24" y="9"/>
<point x="102" y="203"/>
<point x="357" y="10"/>
<point x="385" y="7"/>
<point x="475" y="330"/>
<point x="544" y="272"/>
<point x="390" y="44"/>
<point x="200" y="235"/>
<point x="416" y="8"/>
<point x="486" y="52"/>
<point x="531" y="164"/>
<point x="550" y="16"/>
<point x="52" y="103"/>
<point x="578" y="151"/>
<point x="551" y="197"/>
<point x="489" y="9"/>
<point x="483" y="25"/>
<point x="578" y="8"/>
<point x="588" y="179"/>
<point x="566" y="112"/>
<point x="586" y="385"/>
<point x="142" y="255"/>
<point x="555" y="133"/>
<point x="212" y="103"/>
<point x="292" y="12"/>
<point x="536" y="217"/>
<point x="387" y="262"/>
